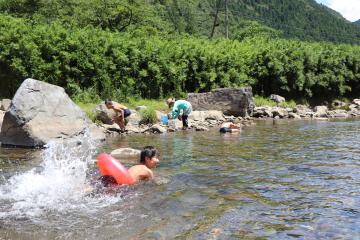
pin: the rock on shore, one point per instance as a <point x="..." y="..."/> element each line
<point x="305" y="112"/>
<point x="40" y="112"/>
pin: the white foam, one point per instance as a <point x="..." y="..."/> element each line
<point x="58" y="185"/>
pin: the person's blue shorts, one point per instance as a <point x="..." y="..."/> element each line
<point x="225" y="130"/>
<point x="127" y="112"/>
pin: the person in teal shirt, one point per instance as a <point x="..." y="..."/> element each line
<point x="179" y="108"/>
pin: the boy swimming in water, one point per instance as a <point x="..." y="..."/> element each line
<point x="149" y="157"/>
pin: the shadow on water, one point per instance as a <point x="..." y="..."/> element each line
<point x="277" y="180"/>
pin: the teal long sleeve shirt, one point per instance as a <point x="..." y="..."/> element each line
<point x="179" y="105"/>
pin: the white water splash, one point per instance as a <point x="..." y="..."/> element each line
<point x="58" y="186"/>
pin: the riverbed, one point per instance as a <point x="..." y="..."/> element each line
<point x="280" y="179"/>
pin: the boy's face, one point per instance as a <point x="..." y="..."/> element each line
<point x="151" y="162"/>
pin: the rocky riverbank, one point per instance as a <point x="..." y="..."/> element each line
<point x="198" y="121"/>
<point x="338" y="110"/>
<point x="40" y="112"/>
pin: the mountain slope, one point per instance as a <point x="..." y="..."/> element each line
<point x="303" y="19"/>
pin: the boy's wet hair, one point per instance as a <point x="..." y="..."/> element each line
<point x="148" y="151"/>
<point x="107" y="101"/>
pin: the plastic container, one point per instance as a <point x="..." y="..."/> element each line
<point x="164" y="120"/>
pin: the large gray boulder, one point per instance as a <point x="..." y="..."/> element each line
<point x="103" y="114"/>
<point x="231" y="101"/>
<point x="40" y="112"/>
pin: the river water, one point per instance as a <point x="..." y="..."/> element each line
<point x="275" y="180"/>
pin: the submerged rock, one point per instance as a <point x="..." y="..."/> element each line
<point x="128" y="153"/>
<point x="40" y="112"/>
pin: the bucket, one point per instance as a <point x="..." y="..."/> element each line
<point x="164" y="120"/>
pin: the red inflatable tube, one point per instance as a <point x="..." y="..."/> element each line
<point x="110" y="166"/>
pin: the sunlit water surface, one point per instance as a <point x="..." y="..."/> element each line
<point x="277" y="180"/>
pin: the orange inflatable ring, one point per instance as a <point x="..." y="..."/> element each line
<point x="110" y="166"/>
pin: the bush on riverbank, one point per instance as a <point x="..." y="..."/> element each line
<point x="120" y="65"/>
<point x="261" y="101"/>
<point x="148" y="115"/>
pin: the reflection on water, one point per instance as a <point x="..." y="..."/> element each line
<point x="277" y="180"/>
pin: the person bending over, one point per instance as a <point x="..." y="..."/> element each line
<point x="179" y="108"/>
<point x="229" y="127"/>
<point x="121" y="112"/>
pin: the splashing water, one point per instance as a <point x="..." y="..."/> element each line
<point x="58" y="186"/>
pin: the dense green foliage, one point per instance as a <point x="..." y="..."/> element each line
<point x="303" y="19"/>
<point x="357" y="22"/>
<point x="127" y="49"/>
<point x="120" y="65"/>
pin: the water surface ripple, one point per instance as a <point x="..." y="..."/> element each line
<point x="277" y="180"/>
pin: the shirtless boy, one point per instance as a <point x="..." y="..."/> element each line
<point x="121" y="112"/>
<point x="148" y="160"/>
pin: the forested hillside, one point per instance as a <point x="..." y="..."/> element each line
<point x="154" y="49"/>
<point x="303" y="19"/>
<point x="357" y="22"/>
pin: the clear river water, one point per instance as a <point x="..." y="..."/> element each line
<point x="276" y="180"/>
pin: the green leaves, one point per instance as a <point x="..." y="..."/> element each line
<point x="119" y="65"/>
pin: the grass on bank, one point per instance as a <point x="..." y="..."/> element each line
<point x="261" y="101"/>
<point x="148" y="115"/>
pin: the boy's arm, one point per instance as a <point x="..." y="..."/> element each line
<point x="147" y="175"/>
